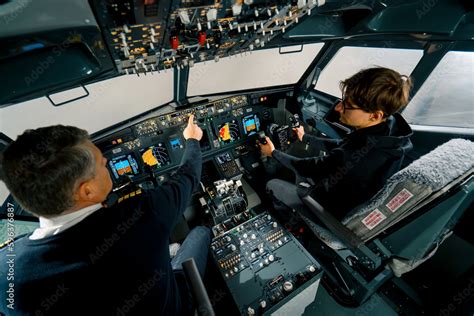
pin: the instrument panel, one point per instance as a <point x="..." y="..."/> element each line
<point x="156" y="145"/>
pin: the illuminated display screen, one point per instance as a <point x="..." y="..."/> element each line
<point x="176" y="143"/>
<point x="251" y="124"/>
<point x="222" y="159"/>
<point x="156" y="156"/>
<point x="123" y="165"/>
<point x="229" y="132"/>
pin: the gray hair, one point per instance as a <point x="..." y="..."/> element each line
<point x="42" y="168"/>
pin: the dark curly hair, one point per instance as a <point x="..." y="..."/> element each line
<point x="43" y="167"/>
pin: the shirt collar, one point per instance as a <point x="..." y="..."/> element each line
<point x="55" y="225"/>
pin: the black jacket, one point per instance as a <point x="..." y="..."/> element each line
<point x="355" y="170"/>
<point x="114" y="262"/>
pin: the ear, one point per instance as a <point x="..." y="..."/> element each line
<point x="377" y="116"/>
<point x="85" y="192"/>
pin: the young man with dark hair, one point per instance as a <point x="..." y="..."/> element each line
<point x="356" y="169"/>
<point x="87" y="258"/>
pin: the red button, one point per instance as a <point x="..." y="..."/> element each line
<point x="202" y="38"/>
<point x="174" y="42"/>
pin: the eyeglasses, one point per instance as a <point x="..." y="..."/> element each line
<point x="347" y="106"/>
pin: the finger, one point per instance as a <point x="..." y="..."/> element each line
<point x="191" y="119"/>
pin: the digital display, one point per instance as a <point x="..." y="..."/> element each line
<point x="222" y="159"/>
<point x="228" y="132"/>
<point x="251" y="124"/>
<point x="176" y="143"/>
<point x="156" y="156"/>
<point x="123" y="165"/>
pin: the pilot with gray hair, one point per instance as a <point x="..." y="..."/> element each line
<point x="88" y="258"/>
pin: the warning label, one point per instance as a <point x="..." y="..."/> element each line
<point x="401" y="198"/>
<point x="373" y="219"/>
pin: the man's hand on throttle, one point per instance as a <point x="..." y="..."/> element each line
<point x="192" y="130"/>
<point x="299" y="132"/>
<point x="268" y="148"/>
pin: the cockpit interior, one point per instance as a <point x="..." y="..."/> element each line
<point x="131" y="72"/>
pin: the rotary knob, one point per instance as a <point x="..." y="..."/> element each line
<point x="312" y="269"/>
<point x="263" y="304"/>
<point x="287" y="286"/>
<point x="245" y="235"/>
<point x="274" y="224"/>
<point x="233" y="247"/>
<point x="271" y="258"/>
<point x="250" y="311"/>
<point x="253" y="236"/>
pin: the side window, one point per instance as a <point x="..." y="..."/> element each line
<point x="350" y="59"/>
<point x="446" y="98"/>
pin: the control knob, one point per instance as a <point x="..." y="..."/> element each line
<point x="287" y="286"/>
<point x="250" y="311"/>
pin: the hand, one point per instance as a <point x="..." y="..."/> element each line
<point x="192" y="130"/>
<point x="268" y="148"/>
<point x="299" y="132"/>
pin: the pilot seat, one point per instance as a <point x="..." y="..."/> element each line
<point x="401" y="226"/>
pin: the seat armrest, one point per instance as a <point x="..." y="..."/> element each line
<point x="203" y="303"/>
<point x="334" y="225"/>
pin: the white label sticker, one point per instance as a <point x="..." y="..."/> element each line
<point x="401" y="198"/>
<point x="373" y="219"/>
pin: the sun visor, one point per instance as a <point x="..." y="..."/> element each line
<point x="48" y="52"/>
<point x="432" y="17"/>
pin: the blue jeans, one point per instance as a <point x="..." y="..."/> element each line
<point x="196" y="245"/>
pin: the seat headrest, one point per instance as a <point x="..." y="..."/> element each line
<point x="433" y="171"/>
<point x="440" y="166"/>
